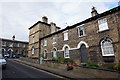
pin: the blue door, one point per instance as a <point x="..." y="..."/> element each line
<point x="54" y="53"/>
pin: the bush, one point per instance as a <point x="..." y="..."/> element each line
<point x="60" y="59"/>
<point x="110" y="67"/>
<point x="117" y="67"/>
<point x="42" y="55"/>
<point x="71" y="61"/>
<point x="91" y="64"/>
<point x="54" y="59"/>
<point x="64" y="60"/>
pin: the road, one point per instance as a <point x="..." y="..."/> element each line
<point x="16" y="70"/>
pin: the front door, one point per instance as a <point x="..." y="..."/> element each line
<point x="83" y="53"/>
<point x="10" y="53"/>
<point x="54" y="53"/>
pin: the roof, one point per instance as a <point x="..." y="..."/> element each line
<point x="38" y="23"/>
<point x="42" y="23"/>
<point x="86" y="21"/>
<point x="14" y="40"/>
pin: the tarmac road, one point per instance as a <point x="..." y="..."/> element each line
<point x="16" y="71"/>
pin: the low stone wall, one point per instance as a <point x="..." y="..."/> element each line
<point x="55" y="65"/>
<point x="95" y="72"/>
<point x="29" y="60"/>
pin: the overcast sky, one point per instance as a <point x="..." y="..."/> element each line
<point x="17" y="16"/>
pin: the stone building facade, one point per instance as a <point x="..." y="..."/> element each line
<point x="13" y="47"/>
<point x="37" y="31"/>
<point x="95" y="39"/>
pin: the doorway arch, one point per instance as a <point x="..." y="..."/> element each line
<point x="10" y="52"/>
<point x="83" y="51"/>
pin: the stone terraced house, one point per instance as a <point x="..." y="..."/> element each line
<point x="95" y="39"/>
<point x="12" y="47"/>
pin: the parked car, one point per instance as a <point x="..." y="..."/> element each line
<point x="6" y="55"/>
<point x="17" y="56"/>
<point x="14" y="56"/>
<point x="2" y="62"/>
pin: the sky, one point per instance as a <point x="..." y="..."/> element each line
<point x="16" y="16"/>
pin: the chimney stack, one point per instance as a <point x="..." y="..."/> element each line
<point x="13" y="37"/>
<point x="94" y="11"/>
<point x="53" y="27"/>
<point x="44" y="19"/>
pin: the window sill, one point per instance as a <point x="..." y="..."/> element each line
<point x="54" y="43"/>
<point x="10" y="46"/>
<point x="65" y="40"/>
<point x="108" y="55"/>
<point x="67" y="57"/>
<point x="103" y="30"/>
<point x="45" y="46"/>
<point x="82" y="36"/>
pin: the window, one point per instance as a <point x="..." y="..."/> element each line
<point x="33" y="50"/>
<point x="24" y="46"/>
<point x="3" y="43"/>
<point x="103" y="25"/>
<point x="45" y="54"/>
<point x="107" y="48"/>
<point x="45" y="42"/>
<point x="18" y="45"/>
<point x="65" y="35"/>
<point x="81" y="31"/>
<point x="11" y="45"/>
<point x="33" y="40"/>
<point x="33" y="30"/>
<point x="54" y="40"/>
<point x="66" y="52"/>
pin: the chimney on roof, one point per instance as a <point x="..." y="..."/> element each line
<point x="44" y="19"/>
<point x="94" y="11"/>
<point x="13" y="37"/>
<point x="53" y="27"/>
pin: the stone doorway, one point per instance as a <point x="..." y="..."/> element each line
<point x="83" y="53"/>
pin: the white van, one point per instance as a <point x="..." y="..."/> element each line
<point x="2" y="62"/>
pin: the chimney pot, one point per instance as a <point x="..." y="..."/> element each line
<point x="45" y="19"/>
<point x="13" y="37"/>
<point x="94" y="11"/>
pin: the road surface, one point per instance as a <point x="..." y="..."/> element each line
<point x="16" y="70"/>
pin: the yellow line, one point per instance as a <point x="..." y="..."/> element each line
<point x="41" y="70"/>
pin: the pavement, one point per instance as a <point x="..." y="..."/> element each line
<point x="63" y="73"/>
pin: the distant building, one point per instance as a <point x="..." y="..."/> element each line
<point x="96" y="39"/>
<point x="13" y="47"/>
